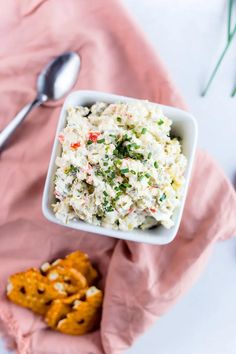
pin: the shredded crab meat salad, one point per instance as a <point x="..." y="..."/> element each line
<point x="119" y="167"/>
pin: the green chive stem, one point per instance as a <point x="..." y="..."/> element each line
<point x="219" y="62"/>
<point x="233" y="92"/>
<point x="230" y="6"/>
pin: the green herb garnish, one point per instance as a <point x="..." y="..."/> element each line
<point x="230" y="36"/>
<point x="134" y="145"/>
<point x="118" y="162"/>
<point x="149" y="155"/>
<point x="133" y="172"/>
<point x="123" y="150"/>
<point x="140" y="176"/>
<point x="118" y="119"/>
<point x="89" y="142"/>
<point x="105" y="193"/>
<point x="123" y="186"/>
<point x="109" y="208"/>
<point x="144" y="130"/>
<point x="72" y="169"/>
<point x="155" y="164"/>
<point x="124" y="170"/>
<point x="118" y="194"/>
<point x="100" y="141"/>
<point x="99" y="173"/>
<point x="163" y="197"/>
<point x="160" y="122"/>
<point x="126" y="138"/>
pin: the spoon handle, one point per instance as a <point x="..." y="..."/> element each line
<point x="15" y="122"/>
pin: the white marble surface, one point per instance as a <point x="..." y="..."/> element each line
<point x="187" y="35"/>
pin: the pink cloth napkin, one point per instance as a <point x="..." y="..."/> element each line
<point x="141" y="282"/>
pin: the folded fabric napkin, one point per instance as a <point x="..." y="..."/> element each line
<point x="140" y="281"/>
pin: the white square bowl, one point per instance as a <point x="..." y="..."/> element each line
<point x="184" y="125"/>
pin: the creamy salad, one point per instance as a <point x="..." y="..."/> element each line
<point x="119" y="166"/>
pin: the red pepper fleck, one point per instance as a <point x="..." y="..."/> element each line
<point x="130" y="210"/>
<point x="152" y="210"/>
<point x="93" y="136"/>
<point x="61" y="138"/>
<point x="75" y="145"/>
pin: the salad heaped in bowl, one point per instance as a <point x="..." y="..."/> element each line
<point x="119" y="166"/>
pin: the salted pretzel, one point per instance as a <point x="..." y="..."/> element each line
<point x="61" y="292"/>
<point x="77" y="314"/>
<point x="32" y="290"/>
<point x="77" y="260"/>
<point x="71" y="278"/>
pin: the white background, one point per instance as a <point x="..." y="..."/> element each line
<point x="188" y="34"/>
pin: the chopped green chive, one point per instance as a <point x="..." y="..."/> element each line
<point x="135" y="146"/>
<point x="118" y="162"/>
<point x="163" y="197"/>
<point x="100" y="141"/>
<point x="144" y="130"/>
<point x="140" y="176"/>
<point x="72" y="169"/>
<point x="118" y="194"/>
<point x="117" y="222"/>
<point x="105" y="163"/>
<point x="109" y="208"/>
<point x="89" y="142"/>
<point x="149" y="155"/>
<point x="122" y="150"/>
<point x="124" y="170"/>
<point x="155" y="164"/>
<point x="133" y="172"/>
<point x="147" y="175"/>
<point x="160" y="122"/>
<point x="105" y="193"/>
<point x="137" y="156"/>
<point x="118" y="119"/>
<point x="135" y="133"/>
<point x="116" y="152"/>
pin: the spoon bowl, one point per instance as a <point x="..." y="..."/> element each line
<point x="59" y="76"/>
<point x="54" y="82"/>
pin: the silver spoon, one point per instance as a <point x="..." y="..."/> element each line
<point x="55" y="80"/>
